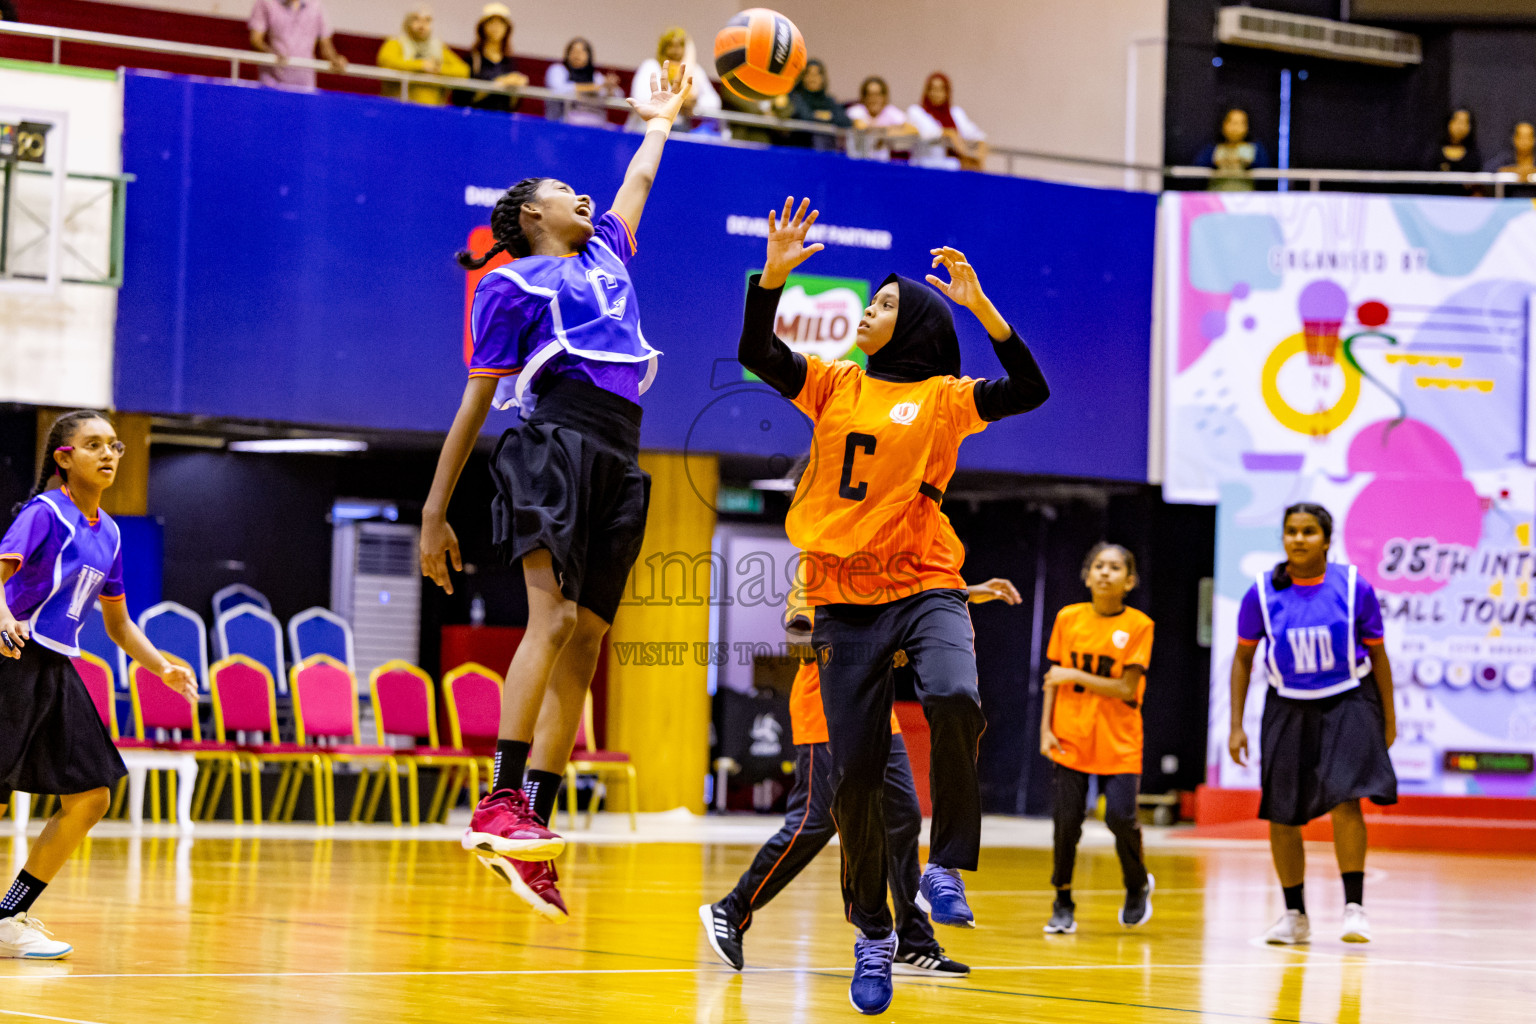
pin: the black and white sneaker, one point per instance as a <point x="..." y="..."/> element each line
<point x="929" y="963"/>
<point x="1138" y="905"/>
<point x="723" y="935"/>
<point x="1063" y="921"/>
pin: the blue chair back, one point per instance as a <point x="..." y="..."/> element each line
<point x="321" y="631"/>
<point x="233" y="596"/>
<point x="253" y="631"/>
<point x="177" y="629"/>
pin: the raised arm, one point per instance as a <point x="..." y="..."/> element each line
<point x="439" y="544"/>
<point x="760" y="349"/>
<point x="1024" y="388"/>
<point x="658" y="112"/>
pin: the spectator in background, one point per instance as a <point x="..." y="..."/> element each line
<point x="1456" y="152"/>
<point x="950" y="139"/>
<point x="1520" y="157"/>
<point x="417" y="48"/>
<point x="676" y="45"/>
<point x="876" y="114"/>
<point x="292" y="28"/>
<point x="810" y="101"/>
<point x="491" y="60"/>
<point x="8" y="11"/>
<point x="575" y="76"/>
<point x="1234" y="156"/>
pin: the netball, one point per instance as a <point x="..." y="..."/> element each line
<point x="759" y="54"/>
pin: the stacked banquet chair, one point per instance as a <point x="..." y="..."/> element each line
<point x="245" y="705"/>
<point x="325" y="713"/>
<point x="405" y="704"/>
<point x="472" y="693"/>
<point x="588" y="760"/>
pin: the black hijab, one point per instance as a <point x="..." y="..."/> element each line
<point x="585" y="74"/>
<point x="924" y="343"/>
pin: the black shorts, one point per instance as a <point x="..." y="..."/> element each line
<point x="1317" y="754"/>
<point x="51" y="738"/>
<point x="568" y="481"/>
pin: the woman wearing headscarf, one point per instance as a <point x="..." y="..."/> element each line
<point x="810" y="101"/>
<point x="950" y="139"/>
<point x="418" y="48"/>
<point x="882" y="562"/>
<point x="491" y="60"/>
<point x="576" y="76"/>
<point x="676" y="45"/>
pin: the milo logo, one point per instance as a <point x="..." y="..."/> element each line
<point x="819" y="316"/>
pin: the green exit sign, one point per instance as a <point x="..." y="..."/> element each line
<point x="740" y="501"/>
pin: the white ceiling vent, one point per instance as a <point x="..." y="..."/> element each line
<point x="1316" y="37"/>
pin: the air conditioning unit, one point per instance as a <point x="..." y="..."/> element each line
<point x="376" y="586"/>
<point x="1316" y="37"/>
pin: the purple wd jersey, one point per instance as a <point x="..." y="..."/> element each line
<point x="572" y="315"/>
<point x="1318" y="631"/>
<point x="67" y="561"/>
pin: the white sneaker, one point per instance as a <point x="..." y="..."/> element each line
<point x="1293" y="928"/>
<point x="1356" y="927"/>
<point x="24" y="938"/>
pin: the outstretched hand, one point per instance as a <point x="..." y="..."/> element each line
<point x="997" y="589"/>
<point x="669" y="90"/>
<point x="181" y="679"/>
<point x="786" y="242"/>
<point x="962" y="288"/>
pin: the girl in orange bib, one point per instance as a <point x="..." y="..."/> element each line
<point x="1091" y="725"/>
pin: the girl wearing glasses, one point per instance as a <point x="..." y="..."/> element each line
<point x="59" y="555"/>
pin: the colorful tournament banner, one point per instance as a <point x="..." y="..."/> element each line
<point x="1369" y="354"/>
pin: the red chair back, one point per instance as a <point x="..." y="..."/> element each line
<point x="97" y="676"/>
<point x="474" y="706"/>
<point x="157" y="706"/>
<point x="403" y="702"/>
<point x="244" y="697"/>
<point x="324" y="699"/>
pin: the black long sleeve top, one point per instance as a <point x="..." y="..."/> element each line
<point x="765" y="354"/>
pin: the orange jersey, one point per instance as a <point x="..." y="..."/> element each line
<point x="867" y="509"/>
<point x="807" y="719"/>
<point x="1099" y="735"/>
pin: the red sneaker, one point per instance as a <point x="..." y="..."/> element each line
<point x="505" y="824"/>
<point x="533" y="882"/>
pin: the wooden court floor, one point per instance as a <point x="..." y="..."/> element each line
<point x="343" y="929"/>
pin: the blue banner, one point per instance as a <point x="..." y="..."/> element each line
<point x="289" y="258"/>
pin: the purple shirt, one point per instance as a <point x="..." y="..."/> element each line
<point x="571" y="316"/>
<point x="1367" y="608"/>
<point x="67" y="561"/>
<point x="291" y="32"/>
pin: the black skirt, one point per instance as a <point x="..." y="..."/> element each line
<point x="1317" y="754"/>
<point x="568" y="481"/>
<point x="51" y="738"/>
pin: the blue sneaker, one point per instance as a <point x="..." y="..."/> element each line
<point x="941" y="895"/>
<point x="870" y="992"/>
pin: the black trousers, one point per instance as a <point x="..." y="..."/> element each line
<point x="1119" y="814"/>
<point x="808" y="827"/>
<point x="854" y="646"/>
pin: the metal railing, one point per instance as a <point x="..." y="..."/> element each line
<point x="1315" y="177"/>
<point x="854" y="142"/>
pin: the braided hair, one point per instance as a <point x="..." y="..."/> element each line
<point x="506" y="226"/>
<point x="1280" y="577"/>
<point x="59" y="436"/>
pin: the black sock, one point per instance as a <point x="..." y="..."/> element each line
<point x="511" y="759"/>
<point x="542" y="789"/>
<point x="1295" y="897"/>
<point x="22" y="894"/>
<point x="1354" y="887"/>
<point x="1064" y="897"/>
